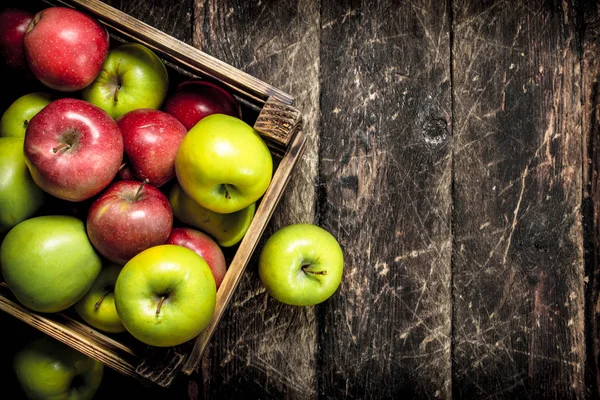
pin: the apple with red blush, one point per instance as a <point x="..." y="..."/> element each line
<point x="125" y="172"/>
<point x="195" y="99"/>
<point x="151" y="139"/>
<point x="127" y="218"/>
<point x="73" y="149"/>
<point x="65" y="48"/>
<point x="204" y="246"/>
<point x="13" y="24"/>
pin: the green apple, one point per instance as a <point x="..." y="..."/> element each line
<point x="223" y="164"/>
<point x="48" y="262"/>
<point x="132" y="77"/>
<point x="48" y="369"/>
<point x="97" y="307"/>
<point x="165" y="295"/>
<point x="226" y="229"/>
<point x="301" y="264"/>
<point x="20" y="197"/>
<point x="17" y="116"/>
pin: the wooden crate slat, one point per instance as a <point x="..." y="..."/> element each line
<point x="161" y="365"/>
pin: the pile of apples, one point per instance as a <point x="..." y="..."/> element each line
<point x="117" y="195"/>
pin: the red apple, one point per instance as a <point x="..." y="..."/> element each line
<point x="151" y="139"/>
<point x="125" y="172"/>
<point x="204" y="246"/>
<point x="65" y="48"/>
<point x="13" y="24"/>
<point x="195" y="99"/>
<point x="129" y="217"/>
<point x="73" y="149"/>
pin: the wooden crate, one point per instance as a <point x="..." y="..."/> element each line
<point x="272" y="114"/>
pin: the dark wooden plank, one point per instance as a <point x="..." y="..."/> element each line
<point x="175" y="18"/>
<point x="518" y="258"/>
<point x="590" y="13"/>
<point x="385" y="193"/>
<point x="262" y="348"/>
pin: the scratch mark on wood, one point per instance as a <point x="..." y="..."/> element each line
<point x="516" y="214"/>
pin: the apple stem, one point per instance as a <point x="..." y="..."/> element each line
<point x="160" y="305"/>
<point x="61" y="146"/>
<point x="122" y="166"/>
<point x="97" y="305"/>
<point x="116" y="96"/>
<point x="304" y="268"/>
<point x="227" y="196"/>
<point x="139" y="191"/>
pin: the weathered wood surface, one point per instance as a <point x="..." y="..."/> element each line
<point x="454" y="152"/>
<point x="173" y="17"/>
<point x="385" y="193"/>
<point x="518" y="271"/>
<point x="590" y="89"/>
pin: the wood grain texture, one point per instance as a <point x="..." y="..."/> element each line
<point x="590" y="17"/>
<point x="262" y="348"/>
<point x="385" y="193"/>
<point x="277" y="123"/>
<point x="175" y="18"/>
<point x="518" y="262"/>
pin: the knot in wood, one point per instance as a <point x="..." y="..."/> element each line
<point x="435" y="131"/>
